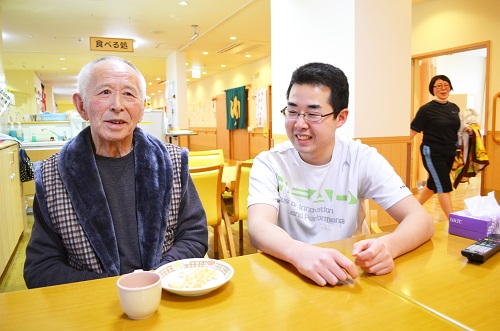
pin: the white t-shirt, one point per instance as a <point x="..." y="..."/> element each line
<point x="324" y="203"/>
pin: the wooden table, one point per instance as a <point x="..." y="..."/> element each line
<point x="229" y="178"/>
<point x="175" y="134"/>
<point x="437" y="277"/>
<point x="264" y="293"/>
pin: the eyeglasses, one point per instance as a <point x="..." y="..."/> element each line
<point x="309" y="117"/>
<point x="439" y="87"/>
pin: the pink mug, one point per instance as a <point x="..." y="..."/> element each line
<point x="139" y="293"/>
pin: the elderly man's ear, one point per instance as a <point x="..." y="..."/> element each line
<point x="78" y="102"/>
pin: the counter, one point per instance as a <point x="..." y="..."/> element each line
<point x="12" y="218"/>
<point x="29" y="145"/>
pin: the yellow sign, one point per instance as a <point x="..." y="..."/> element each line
<point x="111" y="44"/>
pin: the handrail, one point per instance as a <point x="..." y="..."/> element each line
<point x="495" y="139"/>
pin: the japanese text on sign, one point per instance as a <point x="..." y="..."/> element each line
<point x="111" y="44"/>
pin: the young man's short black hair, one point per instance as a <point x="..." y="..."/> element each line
<point x="324" y="74"/>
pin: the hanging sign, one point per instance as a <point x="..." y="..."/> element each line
<point x="260" y="108"/>
<point x="111" y="44"/>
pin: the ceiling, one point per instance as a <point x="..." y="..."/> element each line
<point x="37" y="34"/>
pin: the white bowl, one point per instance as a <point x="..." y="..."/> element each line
<point x="207" y="275"/>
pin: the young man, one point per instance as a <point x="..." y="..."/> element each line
<point x="310" y="189"/>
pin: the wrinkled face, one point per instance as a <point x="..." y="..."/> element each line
<point x="441" y="89"/>
<point x="114" y="104"/>
<point x="313" y="140"/>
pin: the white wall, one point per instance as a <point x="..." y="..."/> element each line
<point x="467" y="72"/>
<point x="303" y="32"/>
<point x="177" y="106"/>
<point x="368" y="39"/>
<point x="201" y="108"/>
<point x="382" y="92"/>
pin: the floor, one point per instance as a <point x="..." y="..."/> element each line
<point x="12" y="280"/>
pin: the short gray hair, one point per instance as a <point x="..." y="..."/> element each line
<point x="86" y="72"/>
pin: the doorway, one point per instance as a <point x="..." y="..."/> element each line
<point x="468" y="69"/>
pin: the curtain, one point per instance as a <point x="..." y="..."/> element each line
<point x="236" y="108"/>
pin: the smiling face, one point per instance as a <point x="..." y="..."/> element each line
<point x="313" y="140"/>
<point x="441" y="90"/>
<point x="113" y="105"/>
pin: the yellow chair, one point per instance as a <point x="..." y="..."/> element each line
<point x="240" y="196"/>
<point x="371" y="218"/>
<point x="207" y="181"/>
<point x="206" y="158"/>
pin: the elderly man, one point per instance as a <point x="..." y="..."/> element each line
<point x="115" y="199"/>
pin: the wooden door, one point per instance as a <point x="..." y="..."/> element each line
<point x="490" y="181"/>
<point x="234" y="143"/>
<point x="491" y="174"/>
<point x="240" y="142"/>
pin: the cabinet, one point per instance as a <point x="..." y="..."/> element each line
<point x="11" y="212"/>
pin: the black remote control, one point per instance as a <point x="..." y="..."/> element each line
<point x="483" y="249"/>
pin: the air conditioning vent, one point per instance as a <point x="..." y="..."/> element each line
<point x="229" y="47"/>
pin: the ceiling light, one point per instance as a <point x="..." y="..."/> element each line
<point x="248" y="55"/>
<point x="205" y="53"/>
<point x="182" y="3"/>
<point x="222" y="65"/>
<point x="195" y="73"/>
<point x="232" y="38"/>
<point x="195" y="34"/>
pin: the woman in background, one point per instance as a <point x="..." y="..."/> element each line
<point x="439" y="122"/>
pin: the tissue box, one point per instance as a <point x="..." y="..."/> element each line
<point x="463" y="224"/>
